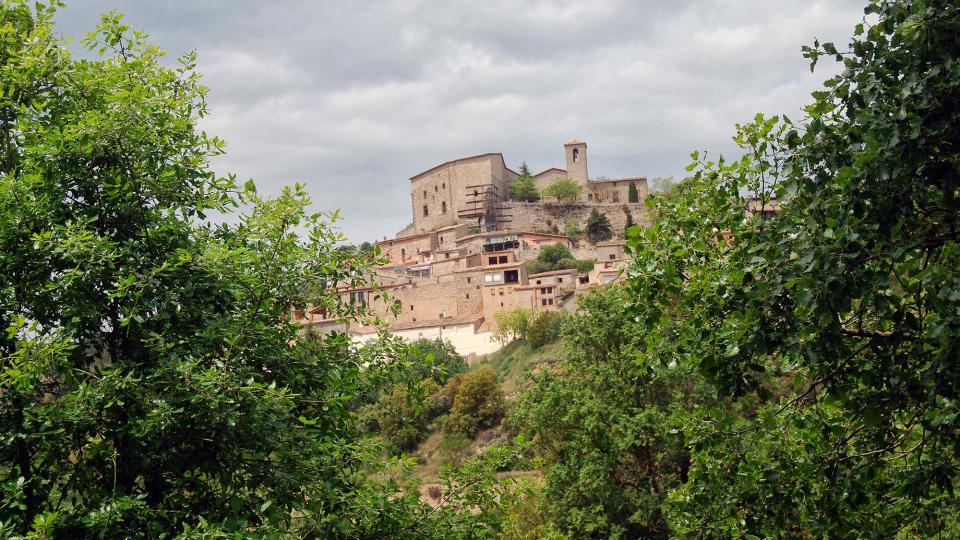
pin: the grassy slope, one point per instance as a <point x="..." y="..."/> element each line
<point x="512" y="363"/>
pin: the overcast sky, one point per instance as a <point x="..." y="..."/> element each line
<point x="353" y="98"/>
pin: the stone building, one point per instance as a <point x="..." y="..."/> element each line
<point x="464" y="256"/>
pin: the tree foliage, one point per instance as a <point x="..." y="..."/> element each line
<point x="564" y="190"/>
<point x="807" y="361"/>
<point x="838" y="318"/>
<point x="152" y="382"/>
<point x="632" y="194"/>
<point x="598" y="227"/>
<point x="523" y="189"/>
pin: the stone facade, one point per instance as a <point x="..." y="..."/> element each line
<point x="463" y="258"/>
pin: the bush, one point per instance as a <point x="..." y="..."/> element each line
<point x="403" y="419"/>
<point x="511" y="325"/>
<point x="545" y="327"/>
<point x="563" y="190"/>
<point x="523" y="189"/>
<point x="598" y="227"/>
<point x="434" y="359"/>
<point x="477" y="402"/>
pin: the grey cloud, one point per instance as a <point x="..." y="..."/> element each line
<point x="353" y="98"/>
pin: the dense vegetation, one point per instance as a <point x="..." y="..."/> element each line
<point x="755" y="376"/>
<point x="793" y="376"/>
<point x="152" y="383"/>
<point x="557" y="257"/>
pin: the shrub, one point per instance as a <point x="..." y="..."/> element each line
<point x="598" y="227"/>
<point x="563" y="190"/>
<point x="435" y="359"/>
<point x="632" y="194"/>
<point x="477" y="402"/>
<point x="402" y="418"/>
<point x="545" y="328"/>
<point x="511" y="325"/>
<point x="479" y="395"/>
<point x="523" y="189"/>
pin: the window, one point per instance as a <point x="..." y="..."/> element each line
<point x="576" y="155"/>
<point x="616" y="196"/>
<point x="543" y="290"/>
<point x="403" y="253"/>
<point x="443" y="207"/>
<point x="511" y="276"/>
<point x="550" y="301"/>
<point x="411" y="307"/>
<point x="468" y="280"/>
<point x="543" y="302"/>
<point x="424" y="194"/>
<point x="559" y="279"/>
<point x="589" y="196"/>
<point x="444" y="186"/>
<point x="503" y="259"/>
<point x="435" y="189"/>
<point x="468" y="296"/>
<point x="492" y="260"/>
<point x="538" y="282"/>
<point x="447" y="254"/>
<point x="426" y="211"/>
<point x="613" y="256"/>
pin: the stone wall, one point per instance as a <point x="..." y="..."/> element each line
<point x="543" y="216"/>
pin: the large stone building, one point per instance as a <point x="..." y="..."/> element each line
<point x="464" y="256"/>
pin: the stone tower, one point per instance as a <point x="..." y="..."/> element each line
<point x="577" y="161"/>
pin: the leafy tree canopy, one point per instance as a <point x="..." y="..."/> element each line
<point x="598" y="227"/>
<point x="152" y="382"/>
<point x="564" y="190"/>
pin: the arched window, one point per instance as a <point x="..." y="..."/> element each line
<point x="576" y="155"/>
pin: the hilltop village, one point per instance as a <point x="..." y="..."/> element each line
<point x="470" y="249"/>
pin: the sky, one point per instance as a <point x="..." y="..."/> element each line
<point x="352" y="98"/>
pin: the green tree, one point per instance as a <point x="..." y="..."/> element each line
<point x="632" y="194"/>
<point x="605" y="427"/>
<point x="833" y="326"/>
<point x="598" y="227"/>
<point x="629" y="221"/>
<point x="564" y="190"/>
<point x="572" y="229"/>
<point x="152" y="381"/>
<point x="523" y="189"/>
<point x="525" y="170"/>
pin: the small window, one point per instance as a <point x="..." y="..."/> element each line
<point x="538" y="282"/>
<point x="403" y="253"/>
<point x="492" y="260"/>
<point x="550" y="301"/>
<point x="590" y="196"/>
<point x="424" y="194"/>
<point x="444" y="186"/>
<point x="468" y="296"/>
<point x="543" y="302"/>
<point x="435" y="189"/>
<point x="411" y="307"/>
<point x="503" y="259"/>
<point x="426" y="211"/>
<point x="443" y="207"/>
<point x="468" y="280"/>
<point x="613" y="256"/>
<point x="447" y="254"/>
<point x="576" y="155"/>
<point x="559" y="279"/>
<point x="616" y="196"/>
